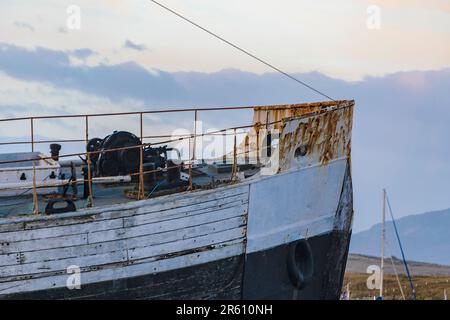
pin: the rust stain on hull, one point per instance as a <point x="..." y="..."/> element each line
<point x="325" y="137"/>
<point x="308" y="134"/>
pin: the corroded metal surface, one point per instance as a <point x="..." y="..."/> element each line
<point x="274" y="114"/>
<point x="316" y="139"/>
<point x="126" y="248"/>
<point x="302" y="135"/>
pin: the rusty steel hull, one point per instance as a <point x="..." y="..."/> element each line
<point x="255" y="265"/>
<point x="281" y="234"/>
<point x="257" y="276"/>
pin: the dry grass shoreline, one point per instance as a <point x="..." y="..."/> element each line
<point x="430" y="280"/>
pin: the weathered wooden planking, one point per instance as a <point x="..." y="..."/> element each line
<point x="182" y="200"/>
<point x="121" y="233"/>
<point x="54" y="232"/>
<point x="10" y="259"/>
<point x="59" y="238"/>
<point x="168" y="225"/>
<point x="8" y="240"/>
<point x="121" y="271"/>
<point x="61" y="253"/>
<point x="10" y="273"/>
<point x="133" y="242"/>
<point x="195" y="282"/>
<point x="118" y="244"/>
<point x="42" y="244"/>
<point x="232" y="229"/>
<point x="187" y="244"/>
<point x="118" y="262"/>
<point x="240" y="199"/>
<point x="100" y="225"/>
<point x="93" y="261"/>
<point x="111" y="235"/>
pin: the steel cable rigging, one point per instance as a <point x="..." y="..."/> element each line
<point x="243" y="50"/>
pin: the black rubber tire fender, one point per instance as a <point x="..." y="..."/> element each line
<point x="300" y="264"/>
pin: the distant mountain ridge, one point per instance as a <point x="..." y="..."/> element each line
<point x="357" y="263"/>
<point x="425" y="237"/>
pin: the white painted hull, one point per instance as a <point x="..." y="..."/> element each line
<point x="175" y="235"/>
<point x="132" y="240"/>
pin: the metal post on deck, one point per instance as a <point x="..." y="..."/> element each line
<point x="190" y="165"/>
<point x="90" y="201"/>
<point x="224" y="145"/>
<point x="141" y="161"/>
<point x="195" y="136"/>
<point x="35" y="198"/>
<point x="234" y="169"/>
<point x="246" y="150"/>
<point x="258" y="161"/>
<point x="190" y="177"/>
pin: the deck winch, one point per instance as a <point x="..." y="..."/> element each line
<point x="119" y="154"/>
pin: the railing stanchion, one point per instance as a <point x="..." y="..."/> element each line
<point x="195" y="136"/>
<point x="258" y="161"/>
<point x="35" y="197"/>
<point x="90" y="199"/>
<point x="234" y="168"/>
<point x="190" y="176"/>
<point x="141" y="161"/>
<point x="246" y="150"/>
<point x="190" y="165"/>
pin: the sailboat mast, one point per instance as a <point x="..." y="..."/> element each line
<point x="383" y="231"/>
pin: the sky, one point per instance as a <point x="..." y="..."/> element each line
<point x="329" y="36"/>
<point x="391" y="56"/>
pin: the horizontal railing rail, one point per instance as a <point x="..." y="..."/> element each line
<point x="278" y="107"/>
<point x="192" y="137"/>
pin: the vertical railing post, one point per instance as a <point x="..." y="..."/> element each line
<point x="195" y="136"/>
<point x="190" y="177"/>
<point x="141" y="160"/>
<point x="258" y="160"/>
<point x="190" y="164"/>
<point x="35" y="197"/>
<point x="246" y="150"/>
<point x="90" y="201"/>
<point x="234" y="168"/>
<point x="224" y="147"/>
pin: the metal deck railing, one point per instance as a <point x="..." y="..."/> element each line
<point x="192" y="139"/>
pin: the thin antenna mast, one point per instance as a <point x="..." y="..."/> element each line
<point x="413" y="289"/>
<point x="383" y="233"/>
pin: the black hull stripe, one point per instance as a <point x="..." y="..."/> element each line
<point x="259" y="275"/>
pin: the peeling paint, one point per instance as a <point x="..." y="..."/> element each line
<point x="321" y="131"/>
<point x="325" y="136"/>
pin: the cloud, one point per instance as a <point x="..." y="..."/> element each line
<point x="23" y="25"/>
<point x="131" y="45"/>
<point x="117" y="82"/>
<point x="83" y="53"/>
